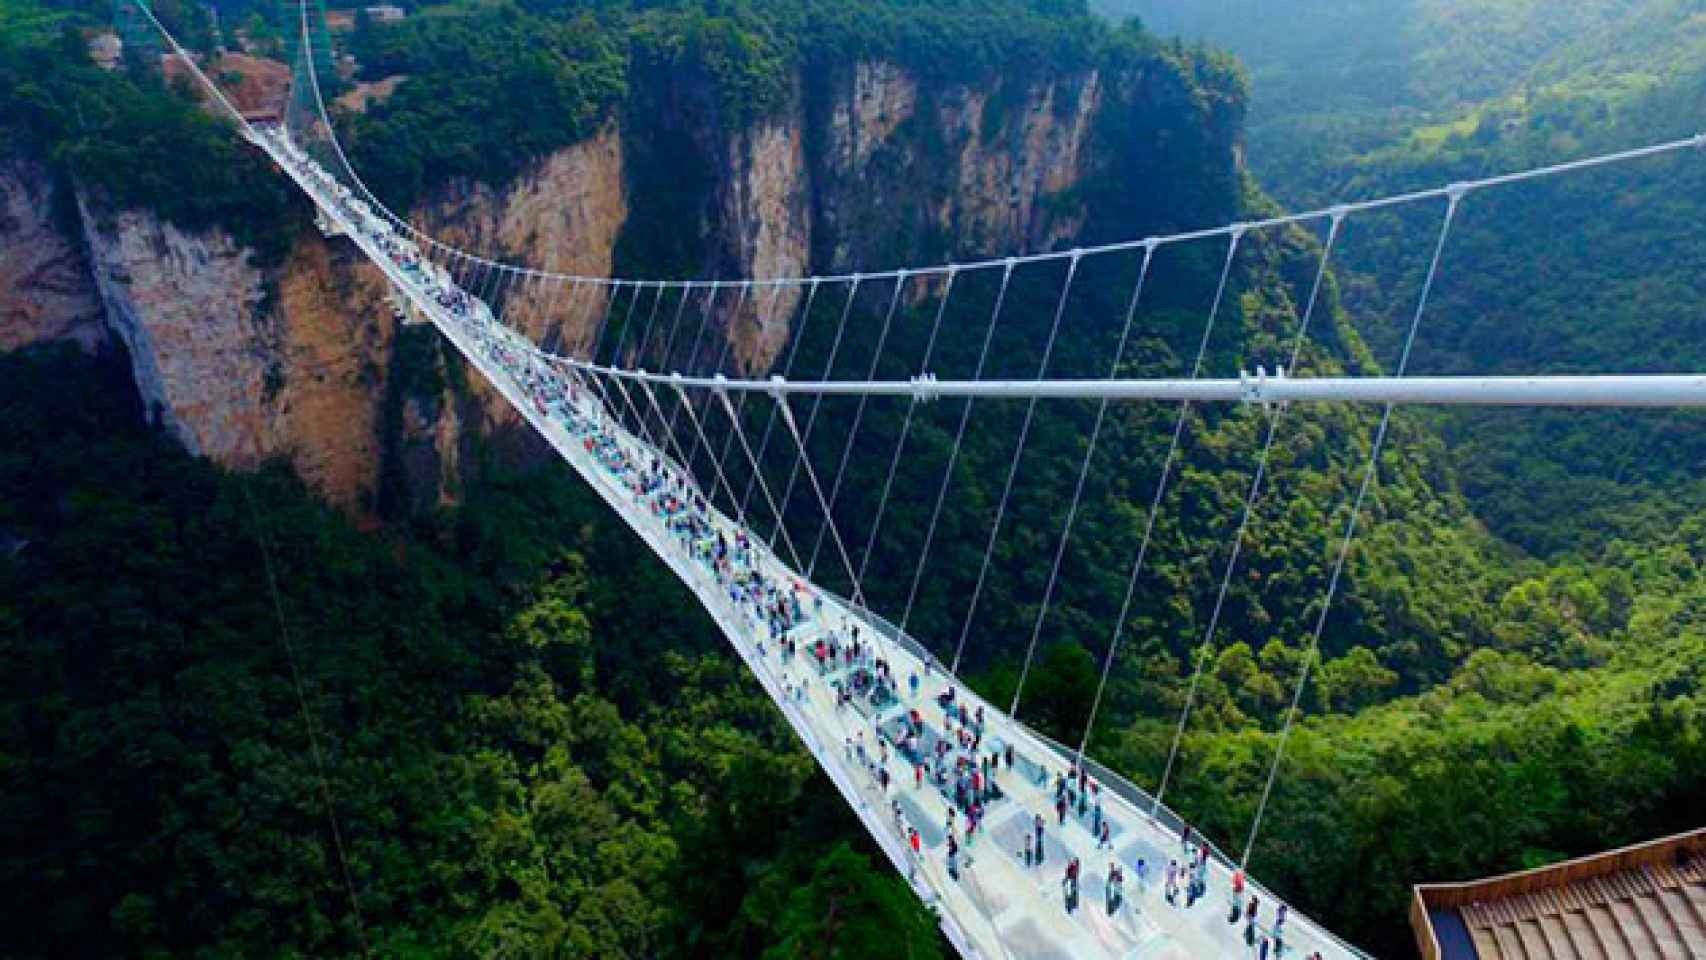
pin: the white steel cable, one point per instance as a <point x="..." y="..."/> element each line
<point x="811" y="418"/>
<point x="905" y="429"/>
<point x="717" y="371"/>
<point x="765" y="317"/>
<point x="954" y="453"/>
<point x="734" y="419"/>
<point x="859" y="413"/>
<point x="787" y="368"/>
<point x="1013" y="466"/>
<point x="1160" y="491"/>
<point x="1370" y="469"/>
<point x="1083" y="473"/>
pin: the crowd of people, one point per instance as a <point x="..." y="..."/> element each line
<point x="955" y="758"/>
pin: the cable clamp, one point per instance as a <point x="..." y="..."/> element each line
<point x="1250" y="387"/>
<point x="776" y="383"/>
<point x="1237" y="230"/>
<point x="1700" y="141"/>
<point x="1339" y="212"/>
<point x="1456" y="190"/>
<point x="722" y="387"/>
<point x="924" y="388"/>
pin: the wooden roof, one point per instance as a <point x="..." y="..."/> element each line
<point x="1645" y="902"/>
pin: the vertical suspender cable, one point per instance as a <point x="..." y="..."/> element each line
<point x="765" y="316"/>
<point x="858" y="597"/>
<point x="705" y="309"/>
<point x="859" y="413"/>
<point x="1249" y="503"/>
<point x="1013" y="467"/>
<point x="817" y="401"/>
<point x="954" y="450"/>
<point x="1370" y="469"/>
<point x="699" y="430"/>
<point x="1078" y="487"/>
<point x="906" y="425"/>
<point x="721" y="479"/>
<point x="787" y="368"/>
<point x="734" y="419"/>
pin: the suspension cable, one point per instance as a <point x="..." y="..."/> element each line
<point x="764" y="318"/>
<point x="905" y="428"/>
<point x="734" y="419"/>
<point x="707" y="304"/>
<point x="716" y="370"/>
<point x="811" y="418"/>
<point x="1370" y="469"/>
<point x="858" y="597"/>
<point x="1698" y="141"/>
<point x="307" y="717"/>
<point x="698" y="428"/>
<point x="1083" y="474"/>
<point x="787" y="368"/>
<point x="954" y="453"/>
<point x="1172" y="452"/>
<point x="859" y="413"/>
<point x="1013" y="467"/>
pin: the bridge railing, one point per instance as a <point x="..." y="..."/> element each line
<point x="1301" y="930"/>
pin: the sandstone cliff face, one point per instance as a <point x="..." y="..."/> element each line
<point x="865" y="170"/>
<point x="973" y="165"/>
<point x="46" y="292"/>
<point x="244" y="365"/>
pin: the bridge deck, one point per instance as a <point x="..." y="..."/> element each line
<point x="997" y="905"/>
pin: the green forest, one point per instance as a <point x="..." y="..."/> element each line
<point x="523" y="740"/>
<point x="528" y="741"/>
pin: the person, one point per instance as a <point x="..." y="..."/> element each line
<point x="1104" y="843"/>
<point x="1069" y="884"/>
<point x="1038" y="823"/>
<point x="1060" y="808"/>
<point x="912" y="837"/>
<point x="1263" y="955"/>
<point x="1009" y="756"/>
<point x="912" y="681"/>
<point x="1171" y="889"/>
<point x="953" y="857"/>
<point x="1027" y="849"/>
<point x="1250" y="923"/>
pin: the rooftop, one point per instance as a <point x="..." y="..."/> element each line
<point x="1643" y="901"/>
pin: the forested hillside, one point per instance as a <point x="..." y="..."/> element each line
<point x="530" y="742"/>
<point x="533" y="744"/>
<point x="1597" y="272"/>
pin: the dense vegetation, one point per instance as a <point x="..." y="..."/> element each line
<point x="523" y="758"/>
<point x="491" y="86"/>
<point x="1511" y="672"/>
<point x="128" y="138"/>
<point x="1593" y="272"/>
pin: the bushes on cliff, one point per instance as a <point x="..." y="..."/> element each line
<point x="129" y="141"/>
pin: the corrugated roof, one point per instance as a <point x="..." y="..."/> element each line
<point x="1646" y="902"/>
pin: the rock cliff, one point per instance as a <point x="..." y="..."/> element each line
<point x="866" y="168"/>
